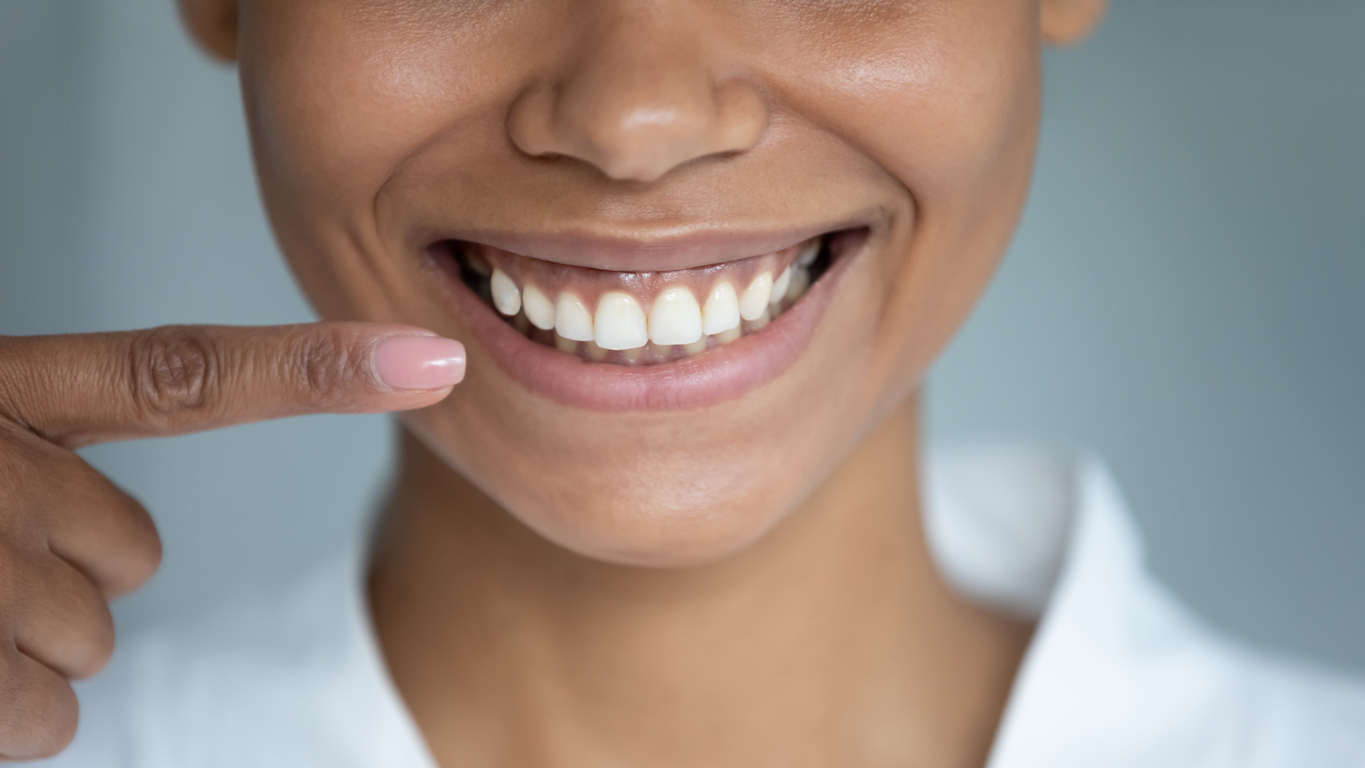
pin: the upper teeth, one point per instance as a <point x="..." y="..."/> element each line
<point x="780" y="287"/>
<point x="721" y="312"/>
<point x="619" y="323"/>
<point x="572" y="319"/>
<point x="673" y="319"/>
<point x="538" y="308"/>
<point x="754" y="302"/>
<point x="506" y="296"/>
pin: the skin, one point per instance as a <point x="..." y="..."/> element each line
<point x="71" y="541"/>
<point x="555" y="586"/>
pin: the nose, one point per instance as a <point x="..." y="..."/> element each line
<point x="637" y="100"/>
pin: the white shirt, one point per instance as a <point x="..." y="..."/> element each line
<point x="1118" y="675"/>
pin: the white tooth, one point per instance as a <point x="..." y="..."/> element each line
<point x="572" y="318"/>
<point x="566" y="345"/>
<point x="506" y="296"/>
<point x="633" y="356"/>
<point x="595" y="352"/>
<point x="696" y="347"/>
<point x="721" y="312"/>
<point x="780" y="287"/>
<point x="538" y="308"/>
<point x="800" y="284"/>
<point x="729" y="336"/>
<point x="809" y="254"/>
<point x="675" y="318"/>
<point x="761" y="321"/>
<point x="754" y="302"/>
<point x="620" y="323"/>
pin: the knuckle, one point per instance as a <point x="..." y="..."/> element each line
<point x="143" y="560"/>
<point x="327" y="366"/>
<point x="132" y="551"/>
<point x="175" y="369"/>
<point x="96" y="644"/>
<point x="40" y="710"/>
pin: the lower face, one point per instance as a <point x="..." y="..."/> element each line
<point x="660" y="369"/>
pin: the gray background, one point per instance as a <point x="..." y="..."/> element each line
<point x="1186" y="296"/>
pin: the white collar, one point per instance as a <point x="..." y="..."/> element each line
<point x="1119" y="673"/>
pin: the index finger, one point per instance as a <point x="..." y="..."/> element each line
<point x="80" y="389"/>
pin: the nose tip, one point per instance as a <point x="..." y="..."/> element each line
<point x="638" y="118"/>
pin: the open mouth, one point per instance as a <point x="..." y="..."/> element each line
<point x="644" y="318"/>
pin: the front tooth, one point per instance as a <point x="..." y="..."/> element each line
<point x="506" y="295"/>
<point x="780" y="287"/>
<point x="572" y="318"/>
<point x="809" y="254"/>
<point x="620" y="323"/>
<point x="730" y="336"/>
<point x="721" y="312"/>
<point x="754" y="302"/>
<point x="538" y="308"/>
<point x="595" y="352"/>
<point x="675" y="318"/>
<point x="696" y="347"/>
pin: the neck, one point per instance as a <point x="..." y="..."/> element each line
<point x="832" y="641"/>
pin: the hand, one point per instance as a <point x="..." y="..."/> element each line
<point x="71" y="541"/>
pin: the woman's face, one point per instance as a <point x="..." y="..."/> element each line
<point x="590" y="193"/>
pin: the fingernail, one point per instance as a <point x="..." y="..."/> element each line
<point x="419" y="362"/>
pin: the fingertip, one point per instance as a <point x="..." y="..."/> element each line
<point x="419" y="363"/>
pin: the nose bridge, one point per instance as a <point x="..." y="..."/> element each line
<point x="637" y="79"/>
<point x="638" y="98"/>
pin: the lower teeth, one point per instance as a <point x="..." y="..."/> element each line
<point x="476" y="274"/>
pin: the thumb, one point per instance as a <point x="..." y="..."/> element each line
<point x="88" y="388"/>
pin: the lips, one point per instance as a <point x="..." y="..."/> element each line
<point x="613" y="341"/>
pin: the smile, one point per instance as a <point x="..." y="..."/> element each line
<point x="645" y="340"/>
<point x="640" y="318"/>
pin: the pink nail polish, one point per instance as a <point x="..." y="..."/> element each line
<point x="419" y="362"/>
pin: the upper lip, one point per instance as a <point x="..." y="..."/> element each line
<point x="656" y="251"/>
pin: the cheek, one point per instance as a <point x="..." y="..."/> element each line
<point x="948" y="106"/>
<point x="339" y="95"/>
<point x="337" y="99"/>
<point x="932" y="92"/>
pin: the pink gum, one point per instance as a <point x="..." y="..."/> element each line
<point x="589" y="284"/>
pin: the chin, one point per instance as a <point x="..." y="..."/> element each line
<point x="647" y="530"/>
<point x="624" y="501"/>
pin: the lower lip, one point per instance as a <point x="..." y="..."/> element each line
<point x="700" y="381"/>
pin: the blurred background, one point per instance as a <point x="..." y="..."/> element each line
<point x="1186" y="295"/>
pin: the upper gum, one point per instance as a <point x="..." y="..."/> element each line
<point x="589" y="284"/>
